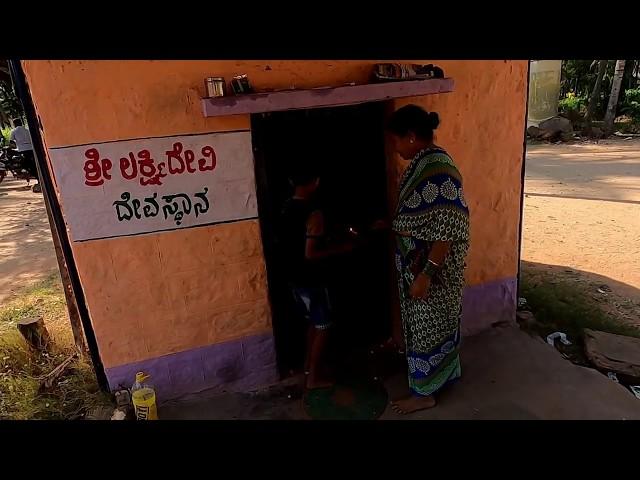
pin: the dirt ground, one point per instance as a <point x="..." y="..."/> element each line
<point x="582" y="212"/>
<point x="26" y="248"/>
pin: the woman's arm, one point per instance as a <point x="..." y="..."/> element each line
<point x="437" y="255"/>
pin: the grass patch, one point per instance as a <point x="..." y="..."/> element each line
<point x="21" y="369"/>
<point x="45" y="298"/>
<point x="565" y="306"/>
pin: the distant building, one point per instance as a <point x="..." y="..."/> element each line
<point x="544" y="90"/>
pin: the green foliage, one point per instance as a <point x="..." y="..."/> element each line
<point x="572" y="103"/>
<point x="6" y="131"/>
<point x="579" y="78"/>
<point x="10" y="106"/>
<point x="631" y="104"/>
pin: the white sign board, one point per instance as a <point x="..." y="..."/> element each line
<point x="153" y="184"/>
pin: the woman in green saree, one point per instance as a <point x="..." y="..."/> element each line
<point x="432" y="232"/>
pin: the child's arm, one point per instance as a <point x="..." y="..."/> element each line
<point x="314" y="248"/>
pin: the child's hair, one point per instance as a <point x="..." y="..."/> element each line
<point x="302" y="175"/>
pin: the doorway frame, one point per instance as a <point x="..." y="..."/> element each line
<point x="523" y="174"/>
<point x="267" y="227"/>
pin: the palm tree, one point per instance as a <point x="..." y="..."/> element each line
<point x="613" y="98"/>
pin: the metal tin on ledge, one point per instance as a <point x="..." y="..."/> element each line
<point x="214" y="86"/>
<point x="240" y="84"/>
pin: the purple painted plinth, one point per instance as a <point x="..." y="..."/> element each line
<point x="250" y="362"/>
<point x="239" y="365"/>
<point x="489" y="303"/>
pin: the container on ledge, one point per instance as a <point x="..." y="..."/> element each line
<point x="214" y="87"/>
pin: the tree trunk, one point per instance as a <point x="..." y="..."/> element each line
<point x="595" y="94"/>
<point x="613" y="98"/>
<point x="34" y="332"/>
<point x="72" y="308"/>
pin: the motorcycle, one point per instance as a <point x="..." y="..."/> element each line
<point x="14" y="162"/>
<point x="3" y="164"/>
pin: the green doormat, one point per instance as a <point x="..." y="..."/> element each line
<point x="353" y="400"/>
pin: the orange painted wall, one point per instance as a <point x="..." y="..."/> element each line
<point x="482" y="127"/>
<point x="151" y="295"/>
<point x="156" y="294"/>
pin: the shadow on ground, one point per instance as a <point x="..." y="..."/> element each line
<point x="574" y="299"/>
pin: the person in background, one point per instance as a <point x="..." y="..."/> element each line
<point x="432" y="232"/>
<point x="305" y="250"/>
<point x="21" y="138"/>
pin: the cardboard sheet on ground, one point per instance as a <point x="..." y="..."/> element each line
<point x="615" y="353"/>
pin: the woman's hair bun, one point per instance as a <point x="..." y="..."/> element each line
<point x="434" y="120"/>
<point x="413" y="118"/>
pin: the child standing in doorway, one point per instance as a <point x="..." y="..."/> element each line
<point x="305" y="251"/>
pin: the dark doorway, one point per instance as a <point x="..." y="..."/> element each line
<point x="349" y="143"/>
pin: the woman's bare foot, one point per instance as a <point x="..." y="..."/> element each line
<point x="406" y="393"/>
<point x="412" y="404"/>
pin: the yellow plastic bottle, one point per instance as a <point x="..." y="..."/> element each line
<point x="143" y="397"/>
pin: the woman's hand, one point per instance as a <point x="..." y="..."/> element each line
<point x="419" y="289"/>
